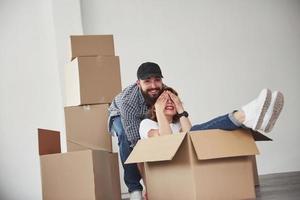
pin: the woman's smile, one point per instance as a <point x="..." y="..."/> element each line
<point x="169" y="107"/>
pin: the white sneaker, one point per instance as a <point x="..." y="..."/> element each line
<point x="136" y="195"/>
<point x="273" y="112"/>
<point x="255" y="110"/>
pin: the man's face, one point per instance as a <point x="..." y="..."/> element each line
<point x="150" y="87"/>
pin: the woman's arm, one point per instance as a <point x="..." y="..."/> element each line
<point x="163" y="123"/>
<point x="184" y="121"/>
<point x="148" y="128"/>
<point x="185" y="124"/>
<point x="153" y="133"/>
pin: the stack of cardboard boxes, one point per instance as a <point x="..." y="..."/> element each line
<point x="210" y="164"/>
<point x="90" y="169"/>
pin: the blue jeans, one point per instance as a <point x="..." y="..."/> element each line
<point x="225" y="122"/>
<point x="132" y="175"/>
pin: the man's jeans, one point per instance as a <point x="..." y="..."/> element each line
<point x="132" y="175"/>
<point x="225" y="122"/>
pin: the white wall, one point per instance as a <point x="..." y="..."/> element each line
<point x="34" y="39"/>
<point x="217" y="54"/>
<point x="67" y="21"/>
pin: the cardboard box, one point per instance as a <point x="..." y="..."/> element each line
<point x="73" y="146"/>
<point x="212" y="164"/>
<point x="92" y="45"/>
<point x="257" y="137"/>
<point x="92" y="80"/>
<point x="88" y="174"/>
<point x="86" y="126"/>
<point x="80" y="175"/>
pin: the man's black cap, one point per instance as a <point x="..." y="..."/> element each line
<point x="147" y="70"/>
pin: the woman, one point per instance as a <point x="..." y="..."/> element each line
<point x="167" y="115"/>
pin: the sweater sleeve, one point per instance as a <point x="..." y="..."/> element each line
<point x="145" y="126"/>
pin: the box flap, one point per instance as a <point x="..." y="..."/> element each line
<point x="71" y="83"/>
<point x="49" y="141"/>
<point x="210" y="144"/>
<point x="259" y="136"/>
<point x="156" y="149"/>
<point x="88" y="146"/>
<point x="92" y="45"/>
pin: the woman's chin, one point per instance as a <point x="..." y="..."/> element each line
<point x="170" y="113"/>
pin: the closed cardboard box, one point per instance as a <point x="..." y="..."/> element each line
<point x="210" y="164"/>
<point x="92" y="80"/>
<point x="92" y="45"/>
<point x="86" y="127"/>
<point x="88" y="174"/>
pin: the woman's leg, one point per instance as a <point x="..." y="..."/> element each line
<point x="259" y="115"/>
<point x="227" y="122"/>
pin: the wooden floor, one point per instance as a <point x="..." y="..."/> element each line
<point x="282" y="186"/>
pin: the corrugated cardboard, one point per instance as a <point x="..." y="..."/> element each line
<point x="88" y="174"/>
<point x="255" y="171"/>
<point x="72" y="146"/>
<point x="77" y="146"/>
<point x="257" y="137"/>
<point x="92" y="45"/>
<point x="81" y="175"/>
<point x="212" y="144"/>
<point x="92" y="80"/>
<point x="49" y="141"/>
<point x="210" y="164"/>
<point x="87" y="126"/>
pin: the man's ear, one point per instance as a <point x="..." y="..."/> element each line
<point x="138" y="83"/>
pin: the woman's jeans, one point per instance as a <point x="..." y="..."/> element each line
<point x="132" y="175"/>
<point x="225" y="122"/>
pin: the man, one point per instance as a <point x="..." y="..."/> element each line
<point x="125" y="114"/>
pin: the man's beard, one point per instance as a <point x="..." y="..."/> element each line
<point x="149" y="99"/>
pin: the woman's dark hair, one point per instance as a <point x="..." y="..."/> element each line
<point x="152" y="114"/>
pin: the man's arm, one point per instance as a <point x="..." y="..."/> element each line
<point x="130" y="117"/>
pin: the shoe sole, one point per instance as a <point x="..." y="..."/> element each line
<point x="278" y="105"/>
<point x="267" y="102"/>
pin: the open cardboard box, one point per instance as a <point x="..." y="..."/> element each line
<point x="92" y="80"/>
<point x="78" y="175"/>
<point x="86" y="127"/>
<point x="211" y="164"/>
